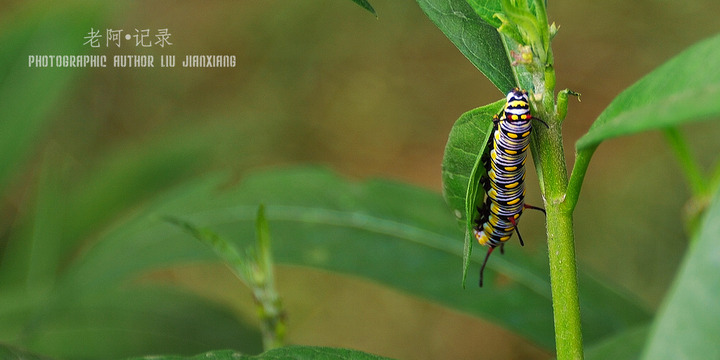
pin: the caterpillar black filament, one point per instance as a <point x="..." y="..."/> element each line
<point x="504" y="182"/>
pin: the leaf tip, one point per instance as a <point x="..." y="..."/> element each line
<point x="366" y="5"/>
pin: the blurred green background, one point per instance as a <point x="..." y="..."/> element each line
<point x="324" y="82"/>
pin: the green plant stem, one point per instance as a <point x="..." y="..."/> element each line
<point x="255" y="270"/>
<point x="549" y="159"/>
<point x="262" y="280"/>
<point x="700" y="186"/>
<point x="561" y="243"/>
<point x="563" y="275"/>
<point x="272" y="317"/>
<point x="695" y="178"/>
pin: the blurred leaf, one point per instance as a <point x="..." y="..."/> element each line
<point x="392" y="233"/>
<point x="475" y="39"/>
<point x="462" y="169"/>
<point x="607" y="310"/>
<point x="131" y="322"/>
<point x="288" y="352"/>
<point x="11" y="353"/>
<point x="317" y="352"/>
<point x="123" y="178"/>
<point x="365" y="5"/>
<point x="210" y="355"/>
<point x="680" y="91"/>
<point x="222" y="247"/>
<point x="70" y="207"/>
<point x="626" y="345"/>
<point x="138" y="244"/>
<point x="688" y="322"/>
<point x="29" y="95"/>
<point x="36" y="259"/>
<point x="263" y="251"/>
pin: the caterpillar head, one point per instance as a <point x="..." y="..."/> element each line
<point x="517" y="95"/>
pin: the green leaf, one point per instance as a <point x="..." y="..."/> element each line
<point x="263" y="253"/>
<point x="365" y="5"/>
<point x="466" y="143"/>
<point x="475" y="38"/>
<point x="626" y="345"/>
<point x="322" y="221"/>
<point x="123" y="179"/>
<point x="682" y="90"/>
<point x="11" y="353"/>
<point x="288" y="352"/>
<point x="255" y="270"/>
<point x="316" y="352"/>
<point x="133" y="321"/>
<point x="487" y="9"/>
<point x="688" y="321"/>
<point x="462" y="169"/>
<point x="607" y="310"/>
<point x="395" y="234"/>
<point x="222" y="247"/>
<point x="28" y="95"/>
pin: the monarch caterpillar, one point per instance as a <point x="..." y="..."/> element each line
<point x="504" y="180"/>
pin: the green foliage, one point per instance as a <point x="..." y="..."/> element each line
<point x="680" y="91"/>
<point x="70" y="279"/>
<point x="289" y="352"/>
<point x="527" y="24"/>
<point x="254" y="269"/>
<point x="28" y="95"/>
<point x="45" y="308"/>
<point x="475" y="38"/>
<point x="686" y="325"/>
<point x="365" y="5"/>
<point x="66" y="208"/>
<point x="468" y="138"/>
<point x="323" y="221"/>
<point x="487" y="9"/>
<point x="625" y="345"/>
<point x="118" y="323"/>
<point x="462" y="169"/>
<point x="666" y="97"/>
<point x="11" y="353"/>
<point x="242" y="265"/>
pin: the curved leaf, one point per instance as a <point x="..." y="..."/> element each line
<point x="365" y="5"/>
<point x="288" y="352"/>
<point x="125" y="178"/>
<point x="476" y="39"/>
<point x="394" y="234"/>
<point x="688" y="322"/>
<point x="462" y="168"/>
<point x="129" y="322"/>
<point x="11" y="353"/>
<point x="626" y="345"/>
<point x="684" y="89"/>
<point x="487" y="9"/>
<point x="466" y="142"/>
<point x="401" y="236"/>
